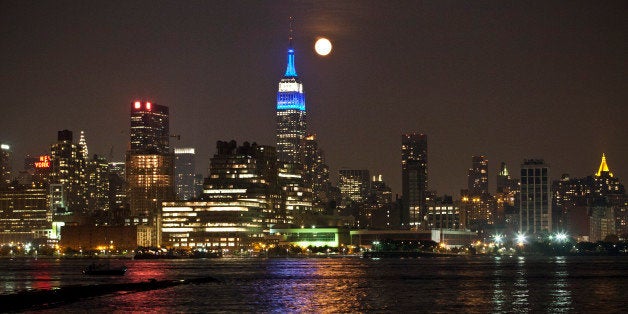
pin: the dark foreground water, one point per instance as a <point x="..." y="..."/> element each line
<point x="332" y="285"/>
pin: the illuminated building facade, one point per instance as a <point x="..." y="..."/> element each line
<point x="118" y="201"/>
<point x="355" y="185"/>
<point x="5" y="165"/>
<point x="414" y="179"/>
<point x="443" y="213"/>
<point x="478" y="211"/>
<point x="149" y="165"/>
<point x="24" y="213"/>
<point x="68" y="167"/>
<point x="291" y="124"/>
<point x="535" y="208"/>
<point x="507" y="200"/>
<point x="575" y="199"/>
<point x="315" y="171"/>
<point x="150" y="128"/>
<point x="97" y="184"/>
<point x="237" y="205"/>
<point x="296" y="195"/>
<point x="478" y="176"/>
<point x="184" y="173"/>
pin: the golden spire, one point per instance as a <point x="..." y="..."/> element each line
<point x="603" y="167"/>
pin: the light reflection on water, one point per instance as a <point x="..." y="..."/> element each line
<point x="332" y="285"/>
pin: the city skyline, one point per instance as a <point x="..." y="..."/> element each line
<point x="487" y="79"/>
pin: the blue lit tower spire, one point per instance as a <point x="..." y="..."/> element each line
<point x="291" y="126"/>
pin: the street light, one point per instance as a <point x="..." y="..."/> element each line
<point x="521" y="239"/>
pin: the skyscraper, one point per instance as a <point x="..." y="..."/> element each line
<point x="150" y="128"/>
<point x="291" y="130"/>
<point x="184" y="168"/>
<point x="5" y="164"/>
<point x="68" y="168"/>
<point x="478" y="176"/>
<point x="149" y="164"/>
<point x="315" y="171"/>
<point x="355" y="185"/>
<point x="414" y="179"/>
<point x="291" y="125"/>
<point x="535" y="208"/>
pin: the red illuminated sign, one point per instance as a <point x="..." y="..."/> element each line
<point x="148" y="106"/>
<point x="137" y="105"/>
<point x="44" y="162"/>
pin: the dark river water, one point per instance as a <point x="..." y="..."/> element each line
<point x="341" y="285"/>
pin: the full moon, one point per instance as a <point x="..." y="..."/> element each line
<point x="322" y="46"/>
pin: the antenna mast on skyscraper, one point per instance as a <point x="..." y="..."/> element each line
<point x="290" y="36"/>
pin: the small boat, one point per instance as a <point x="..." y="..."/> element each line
<point x="104" y="270"/>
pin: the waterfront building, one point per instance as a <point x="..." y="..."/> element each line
<point x="535" y="209"/>
<point x="184" y="173"/>
<point x="149" y="164"/>
<point x="24" y="213"/>
<point x="332" y="237"/>
<point x="414" y="179"/>
<point x="444" y="213"/>
<point x="68" y="167"/>
<point x="238" y="204"/>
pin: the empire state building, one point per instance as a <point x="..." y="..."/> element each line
<point x="291" y="126"/>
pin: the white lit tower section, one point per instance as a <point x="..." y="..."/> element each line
<point x="291" y="126"/>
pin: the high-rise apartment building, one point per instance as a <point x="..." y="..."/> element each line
<point x="478" y="176"/>
<point x="414" y="179"/>
<point x="184" y="173"/>
<point x="149" y="164"/>
<point x="535" y="207"/>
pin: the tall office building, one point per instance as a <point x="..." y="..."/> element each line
<point x="68" y="167"/>
<point x="24" y="214"/>
<point x="355" y="185"/>
<point x="478" y="176"/>
<point x="291" y="130"/>
<point x="414" y="179"/>
<point x="291" y="125"/>
<point x="315" y="171"/>
<point x="5" y="164"/>
<point x="150" y="128"/>
<point x="237" y="204"/>
<point x="97" y="186"/>
<point x="535" y="208"/>
<point x="149" y="164"/>
<point x="118" y="201"/>
<point x="184" y="172"/>
<point x="83" y="146"/>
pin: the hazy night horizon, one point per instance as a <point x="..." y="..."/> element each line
<point x="509" y="81"/>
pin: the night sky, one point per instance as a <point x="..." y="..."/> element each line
<point x="506" y="79"/>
